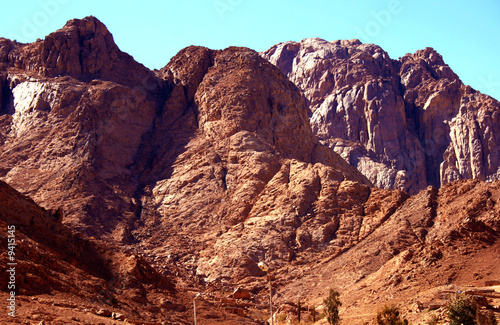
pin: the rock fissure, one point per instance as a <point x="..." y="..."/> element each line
<point x="399" y="110"/>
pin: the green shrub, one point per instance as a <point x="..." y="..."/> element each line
<point x="462" y="310"/>
<point x="332" y="304"/>
<point x="390" y="315"/>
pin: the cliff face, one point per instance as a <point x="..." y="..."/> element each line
<point x="198" y="147"/>
<point x="191" y="175"/>
<point x="75" y="109"/>
<point x="404" y="124"/>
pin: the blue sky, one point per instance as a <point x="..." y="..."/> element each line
<point x="466" y="33"/>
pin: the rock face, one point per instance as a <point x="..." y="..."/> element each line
<point x="49" y="258"/>
<point x="247" y="151"/>
<point x="421" y="245"/>
<point x="197" y="148"/>
<point x="83" y="49"/>
<point x="404" y="124"/>
<point x="75" y="109"/>
<point x="191" y="175"/>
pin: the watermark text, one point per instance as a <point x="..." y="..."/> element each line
<point x="11" y="270"/>
<point x="48" y="10"/>
<point x="381" y="19"/>
<point x="222" y="7"/>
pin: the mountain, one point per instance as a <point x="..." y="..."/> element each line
<point x="181" y="180"/>
<point x="50" y="263"/>
<point x="74" y="113"/>
<point x="405" y="124"/>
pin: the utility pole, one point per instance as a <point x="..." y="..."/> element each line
<point x="270" y="298"/>
<point x="265" y="268"/>
<point x="194" y="306"/>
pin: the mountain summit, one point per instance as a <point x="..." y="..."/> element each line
<point x="405" y="124"/>
<point x="83" y="49"/>
<point x="182" y="180"/>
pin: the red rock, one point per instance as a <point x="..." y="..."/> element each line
<point x="210" y="166"/>
<point x="404" y="124"/>
<point x="240" y="293"/>
<point x="104" y="313"/>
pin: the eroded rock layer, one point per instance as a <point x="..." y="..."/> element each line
<point x="405" y="124"/>
<point x="190" y="149"/>
<point x="157" y="185"/>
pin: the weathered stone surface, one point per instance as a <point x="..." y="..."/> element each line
<point x="404" y="124"/>
<point x="241" y="293"/>
<point x="209" y="166"/>
<point x="251" y="126"/>
<point x="425" y="243"/>
<point x="21" y="212"/>
<point x="474" y="134"/>
<point x="68" y="141"/>
<point x="104" y="313"/>
<point x="48" y="259"/>
<point x="2" y="85"/>
<point x="71" y="141"/>
<point x="189" y="152"/>
<point x="83" y="49"/>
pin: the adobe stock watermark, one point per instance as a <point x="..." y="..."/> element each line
<point x="11" y="270"/>
<point x="222" y="7"/>
<point x="30" y="26"/>
<point x="123" y="106"/>
<point x="381" y="20"/>
<point x="490" y="84"/>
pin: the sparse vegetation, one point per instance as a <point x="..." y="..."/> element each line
<point x="281" y="318"/>
<point x="332" y="304"/>
<point x="433" y="320"/>
<point x="492" y="319"/>
<point x="488" y="319"/>
<point x="462" y="310"/>
<point x="390" y="315"/>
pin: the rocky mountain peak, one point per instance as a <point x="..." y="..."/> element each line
<point x="188" y="67"/>
<point x="429" y="54"/>
<point x="389" y="118"/>
<point x="191" y="152"/>
<point x="88" y="28"/>
<point x="83" y="49"/>
<point x="192" y="175"/>
<point x="424" y="66"/>
<point x="82" y="46"/>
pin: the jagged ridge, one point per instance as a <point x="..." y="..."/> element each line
<point x="405" y="124"/>
<point x="210" y="165"/>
